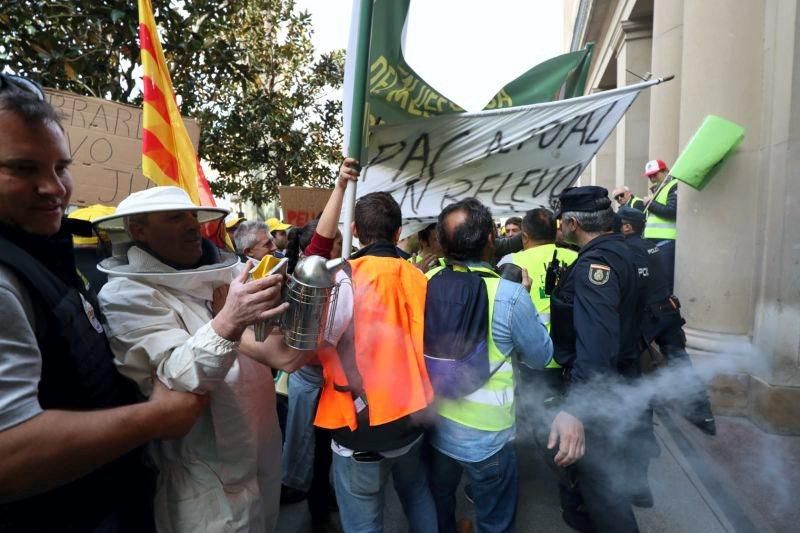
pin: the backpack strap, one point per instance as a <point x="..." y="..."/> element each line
<point x="347" y="356"/>
<point x="488" y="274"/>
<point x="454" y="264"/>
<point x="435" y="270"/>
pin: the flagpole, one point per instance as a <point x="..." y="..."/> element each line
<point x="355" y="140"/>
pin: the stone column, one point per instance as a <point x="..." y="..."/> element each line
<point x="633" y="130"/>
<point x="665" y="99"/>
<point x="738" y="250"/>
<point x="722" y="73"/>
<point x="777" y="323"/>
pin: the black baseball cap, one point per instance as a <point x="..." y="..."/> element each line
<point x="589" y="198"/>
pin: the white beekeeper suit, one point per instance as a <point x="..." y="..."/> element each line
<point x="224" y="475"/>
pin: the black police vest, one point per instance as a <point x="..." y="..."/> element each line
<point x="660" y="314"/>
<point x="78" y="373"/>
<point x="648" y="253"/>
<point x="562" y="325"/>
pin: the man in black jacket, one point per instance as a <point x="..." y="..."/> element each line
<point x="69" y="422"/>
<point x="594" y="313"/>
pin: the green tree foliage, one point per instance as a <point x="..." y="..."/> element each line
<point x="246" y="69"/>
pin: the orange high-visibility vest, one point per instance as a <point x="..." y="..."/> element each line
<point x="388" y="321"/>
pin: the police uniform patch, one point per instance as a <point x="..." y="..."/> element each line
<point x="599" y="274"/>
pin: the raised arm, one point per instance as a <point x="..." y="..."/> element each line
<point x="329" y="221"/>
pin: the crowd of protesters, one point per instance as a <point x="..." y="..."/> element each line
<point x="153" y="406"/>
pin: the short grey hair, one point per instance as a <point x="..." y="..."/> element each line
<point x="592" y="221"/>
<point x="246" y="234"/>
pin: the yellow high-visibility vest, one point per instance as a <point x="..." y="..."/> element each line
<point x="535" y="261"/>
<point x="490" y="408"/>
<point x="636" y="203"/>
<point x="657" y="227"/>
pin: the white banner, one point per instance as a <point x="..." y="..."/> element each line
<point x="512" y="160"/>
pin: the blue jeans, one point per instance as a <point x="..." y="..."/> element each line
<point x="298" y="449"/>
<point x="361" y="487"/>
<point x="494" y="489"/>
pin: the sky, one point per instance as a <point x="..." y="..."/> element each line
<point x="466" y="49"/>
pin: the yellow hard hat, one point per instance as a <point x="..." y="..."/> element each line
<point x="90" y="213"/>
<point x="233" y="221"/>
<point x="276" y="225"/>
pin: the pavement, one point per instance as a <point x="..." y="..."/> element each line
<point x="741" y="480"/>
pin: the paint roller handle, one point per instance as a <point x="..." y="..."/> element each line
<point x="663" y="184"/>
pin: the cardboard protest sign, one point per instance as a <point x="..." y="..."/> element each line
<point x="302" y="204"/>
<point x="105" y="143"/>
<point x="511" y="159"/>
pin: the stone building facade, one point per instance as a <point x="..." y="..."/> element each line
<point x="738" y="249"/>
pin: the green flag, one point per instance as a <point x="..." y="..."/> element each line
<point x="711" y="144"/>
<point x="557" y="78"/>
<point x="397" y="93"/>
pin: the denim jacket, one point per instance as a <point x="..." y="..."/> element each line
<point x="517" y="331"/>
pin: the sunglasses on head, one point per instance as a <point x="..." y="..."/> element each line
<point x="10" y="82"/>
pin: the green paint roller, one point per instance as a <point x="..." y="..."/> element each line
<point x="711" y="144"/>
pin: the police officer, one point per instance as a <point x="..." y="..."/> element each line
<point x="594" y="330"/>
<point x="662" y="322"/>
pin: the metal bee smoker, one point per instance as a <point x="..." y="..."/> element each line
<point x="312" y="293"/>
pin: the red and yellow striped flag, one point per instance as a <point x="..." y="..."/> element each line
<point x="168" y="157"/>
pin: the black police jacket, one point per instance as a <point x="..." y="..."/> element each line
<point x="649" y="253"/>
<point x="594" y="310"/>
<point x="659" y="314"/>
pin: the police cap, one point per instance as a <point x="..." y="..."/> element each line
<point x="629" y="214"/>
<point x="634" y="217"/>
<point x="589" y="198"/>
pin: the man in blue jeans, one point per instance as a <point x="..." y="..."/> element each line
<point x="376" y="388"/>
<point x="475" y="433"/>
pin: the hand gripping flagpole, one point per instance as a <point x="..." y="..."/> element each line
<point x="362" y="16"/>
<point x="661" y="186"/>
